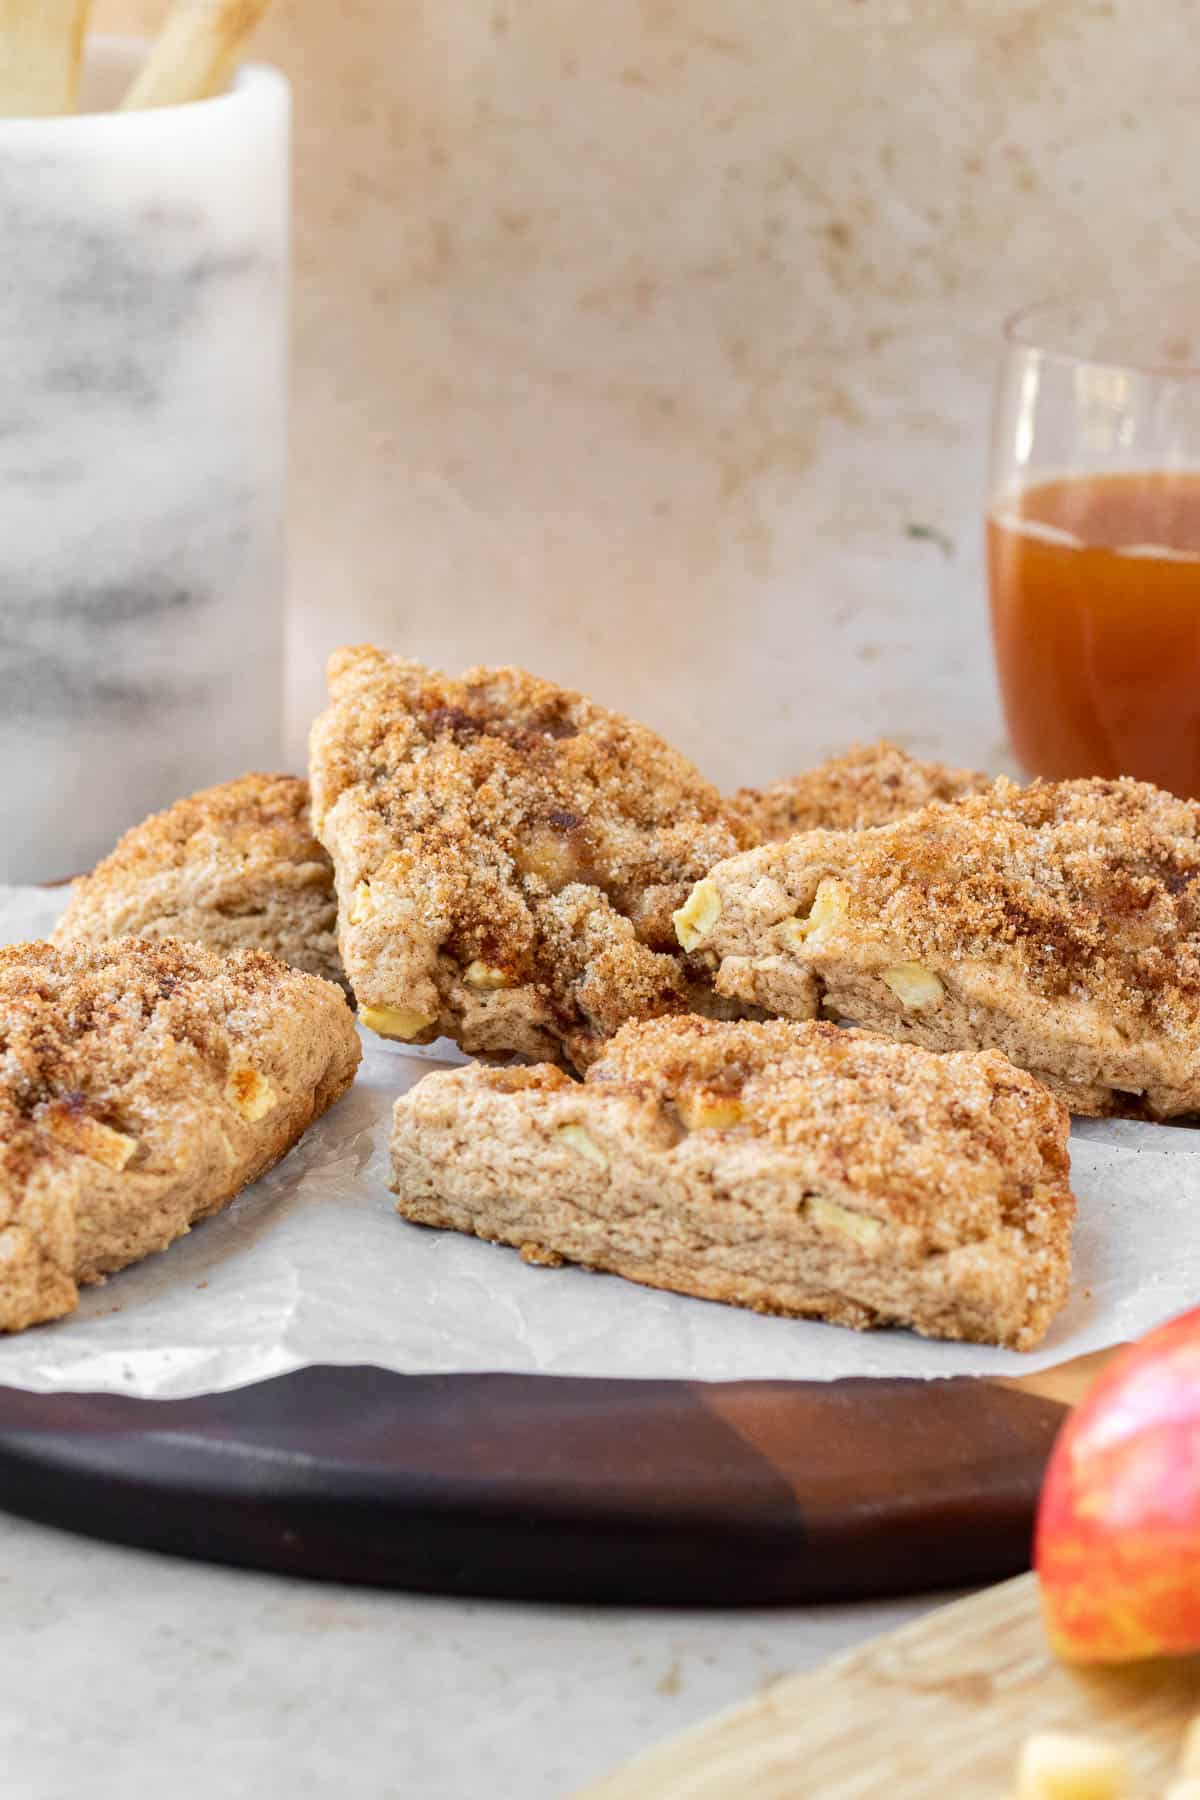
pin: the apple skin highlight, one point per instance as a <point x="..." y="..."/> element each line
<point x="1117" y="1543"/>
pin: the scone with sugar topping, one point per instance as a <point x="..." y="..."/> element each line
<point x="869" y="784"/>
<point x="508" y="857"/>
<point x="235" y="867"/>
<point x="792" y="1168"/>
<point x="142" y="1086"/>
<point x="1059" y="923"/>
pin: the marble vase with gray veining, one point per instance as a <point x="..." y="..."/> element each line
<point x="143" y="370"/>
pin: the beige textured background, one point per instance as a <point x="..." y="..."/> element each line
<point x="632" y="340"/>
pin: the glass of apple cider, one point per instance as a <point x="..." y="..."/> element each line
<point x="1093" y="538"/>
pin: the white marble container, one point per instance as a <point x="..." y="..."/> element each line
<point x="143" y="419"/>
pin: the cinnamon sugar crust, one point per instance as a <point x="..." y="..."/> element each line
<point x="868" y="785"/>
<point x="791" y="1168"/>
<point x="508" y="856"/>
<point x="235" y="867"/>
<point x="142" y="1086"/>
<point x="1058" y="922"/>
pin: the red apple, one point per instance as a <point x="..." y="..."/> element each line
<point x="1118" y="1531"/>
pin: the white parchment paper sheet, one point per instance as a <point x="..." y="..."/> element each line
<point x="312" y="1264"/>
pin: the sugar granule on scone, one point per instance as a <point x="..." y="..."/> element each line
<point x="1059" y="923"/>
<point x="142" y="1086"/>
<point x="235" y="867"/>
<point x="508" y="857"/>
<point x="791" y="1168"/>
<point x="867" y="785"/>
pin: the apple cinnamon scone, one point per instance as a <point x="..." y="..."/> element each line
<point x="1059" y="923"/>
<point x="869" y="784"/>
<point x="508" y="857"/>
<point x="142" y="1086"/>
<point x="235" y="867"/>
<point x="792" y="1168"/>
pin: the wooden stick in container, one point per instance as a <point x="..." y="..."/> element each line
<point x="41" y="49"/>
<point x="195" y="53"/>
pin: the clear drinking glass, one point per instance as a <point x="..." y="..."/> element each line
<point x="1093" y="538"/>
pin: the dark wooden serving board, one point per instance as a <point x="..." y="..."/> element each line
<point x="657" y="1492"/>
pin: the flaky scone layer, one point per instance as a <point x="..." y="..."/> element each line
<point x="791" y="1168"/>
<point x="142" y="1085"/>
<point x="508" y="856"/>
<point x="1059" y="923"/>
<point x="869" y="784"/>
<point x="235" y="867"/>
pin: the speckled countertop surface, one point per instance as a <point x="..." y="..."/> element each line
<point x="126" y="1674"/>
<point x="651" y="344"/>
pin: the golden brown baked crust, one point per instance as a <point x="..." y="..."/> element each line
<point x="1059" y="923"/>
<point x="142" y="1085"/>
<point x="508" y="856"/>
<point x="792" y="1168"/>
<point x="869" y="784"/>
<point x="235" y="867"/>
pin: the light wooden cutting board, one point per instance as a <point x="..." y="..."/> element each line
<point x="935" y="1711"/>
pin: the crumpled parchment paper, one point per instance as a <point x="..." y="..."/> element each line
<point x="312" y="1264"/>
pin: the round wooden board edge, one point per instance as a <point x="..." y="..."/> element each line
<point x="553" y="1488"/>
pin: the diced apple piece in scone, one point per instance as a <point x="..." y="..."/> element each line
<point x="870" y="784"/>
<point x="791" y="1168"/>
<point x="142" y="1086"/>
<point x="235" y="867"/>
<point x="1059" y="923"/>
<point x="508" y="857"/>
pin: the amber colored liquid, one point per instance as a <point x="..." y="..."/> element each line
<point x="1097" y="633"/>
